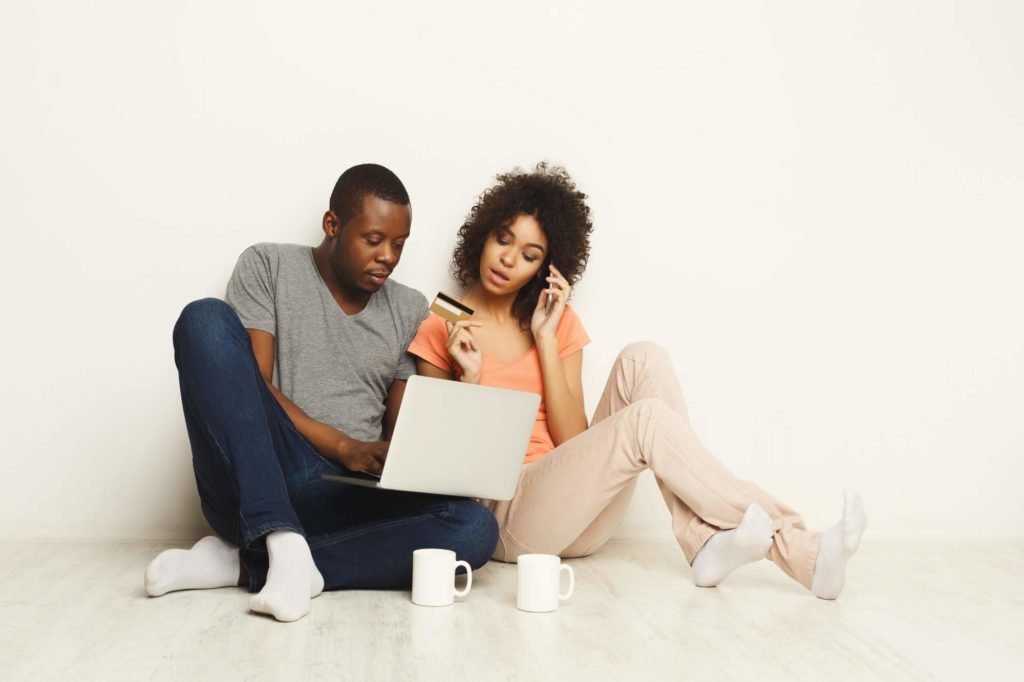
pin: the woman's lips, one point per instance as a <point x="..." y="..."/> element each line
<point x="498" y="278"/>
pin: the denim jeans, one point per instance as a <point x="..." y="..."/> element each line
<point x="256" y="473"/>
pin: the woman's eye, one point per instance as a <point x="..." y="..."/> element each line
<point x="530" y="259"/>
<point x="502" y="241"/>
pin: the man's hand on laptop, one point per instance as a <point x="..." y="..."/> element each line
<point x="366" y="456"/>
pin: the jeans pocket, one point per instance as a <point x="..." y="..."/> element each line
<point x="315" y="470"/>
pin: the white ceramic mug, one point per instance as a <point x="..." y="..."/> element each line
<point x="539" y="577"/>
<point x="433" y="577"/>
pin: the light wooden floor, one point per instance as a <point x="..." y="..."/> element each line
<point x="935" y="609"/>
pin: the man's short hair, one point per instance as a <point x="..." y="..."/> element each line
<point x="360" y="181"/>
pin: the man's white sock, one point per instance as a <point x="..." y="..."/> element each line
<point x="210" y="563"/>
<point x="292" y="579"/>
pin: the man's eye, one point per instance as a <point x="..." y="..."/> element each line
<point x="373" y="242"/>
<point x="399" y="245"/>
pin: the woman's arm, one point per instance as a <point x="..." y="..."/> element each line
<point x="563" y="377"/>
<point x="563" y="391"/>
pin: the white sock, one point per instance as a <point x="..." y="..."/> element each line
<point x="727" y="550"/>
<point x="838" y="544"/>
<point x="210" y="563"/>
<point x="292" y="579"/>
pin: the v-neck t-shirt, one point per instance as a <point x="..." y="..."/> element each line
<point x="336" y="367"/>
<point x="521" y="374"/>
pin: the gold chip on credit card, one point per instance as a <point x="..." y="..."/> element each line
<point x="450" y="309"/>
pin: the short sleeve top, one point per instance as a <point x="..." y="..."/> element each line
<point x="522" y="374"/>
<point x="337" y="367"/>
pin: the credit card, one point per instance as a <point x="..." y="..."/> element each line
<point x="450" y="309"/>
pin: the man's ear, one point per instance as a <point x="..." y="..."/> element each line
<point x="331" y="225"/>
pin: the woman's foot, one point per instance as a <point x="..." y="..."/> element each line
<point x="210" y="563"/>
<point x="727" y="550"/>
<point x="292" y="579"/>
<point x="838" y="544"/>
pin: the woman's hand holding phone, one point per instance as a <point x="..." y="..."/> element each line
<point x="463" y="348"/>
<point x="546" y="317"/>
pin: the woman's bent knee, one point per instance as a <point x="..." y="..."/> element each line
<point x="646" y="350"/>
<point x="651" y="408"/>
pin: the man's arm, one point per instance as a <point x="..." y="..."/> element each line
<point x="428" y="370"/>
<point x="330" y="442"/>
<point x="394" y="402"/>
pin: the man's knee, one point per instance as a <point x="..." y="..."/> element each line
<point x="200" y="320"/>
<point x="477" y="531"/>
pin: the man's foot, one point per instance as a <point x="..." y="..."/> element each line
<point x="292" y="579"/>
<point x="727" y="550"/>
<point x="210" y="563"/>
<point x="838" y="544"/>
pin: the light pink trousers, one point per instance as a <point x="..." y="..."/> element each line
<point x="571" y="501"/>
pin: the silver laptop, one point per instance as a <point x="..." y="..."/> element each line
<point x="456" y="439"/>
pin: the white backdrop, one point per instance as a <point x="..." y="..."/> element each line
<point x="815" y="207"/>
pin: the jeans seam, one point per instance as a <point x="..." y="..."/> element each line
<point x="341" y="536"/>
<point x="288" y="420"/>
<point x="322" y="466"/>
<point x="267" y="528"/>
<point x="225" y="461"/>
<point x="211" y="489"/>
<point x="220" y="450"/>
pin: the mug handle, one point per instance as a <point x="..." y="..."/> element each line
<point x="572" y="581"/>
<point x="469" y="578"/>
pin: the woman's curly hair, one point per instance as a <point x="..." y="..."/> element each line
<point x="549" y="195"/>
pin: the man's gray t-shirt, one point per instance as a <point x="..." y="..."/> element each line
<point x="336" y="367"/>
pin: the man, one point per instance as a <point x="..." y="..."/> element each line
<point x="300" y="373"/>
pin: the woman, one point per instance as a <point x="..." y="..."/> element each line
<point x="522" y="247"/>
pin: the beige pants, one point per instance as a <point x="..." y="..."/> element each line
<point x="571" y="501"/>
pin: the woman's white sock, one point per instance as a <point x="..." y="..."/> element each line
<point x="727" y="550"/>
<point x="838" y="544"/>
<point x="210" y="563"/>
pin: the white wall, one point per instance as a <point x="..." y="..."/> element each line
<point x="816" y="207"/>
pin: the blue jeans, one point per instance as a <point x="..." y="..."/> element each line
<point x="256" y="473"/>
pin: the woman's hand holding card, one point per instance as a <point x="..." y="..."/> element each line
<point x="463" y="348"/>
